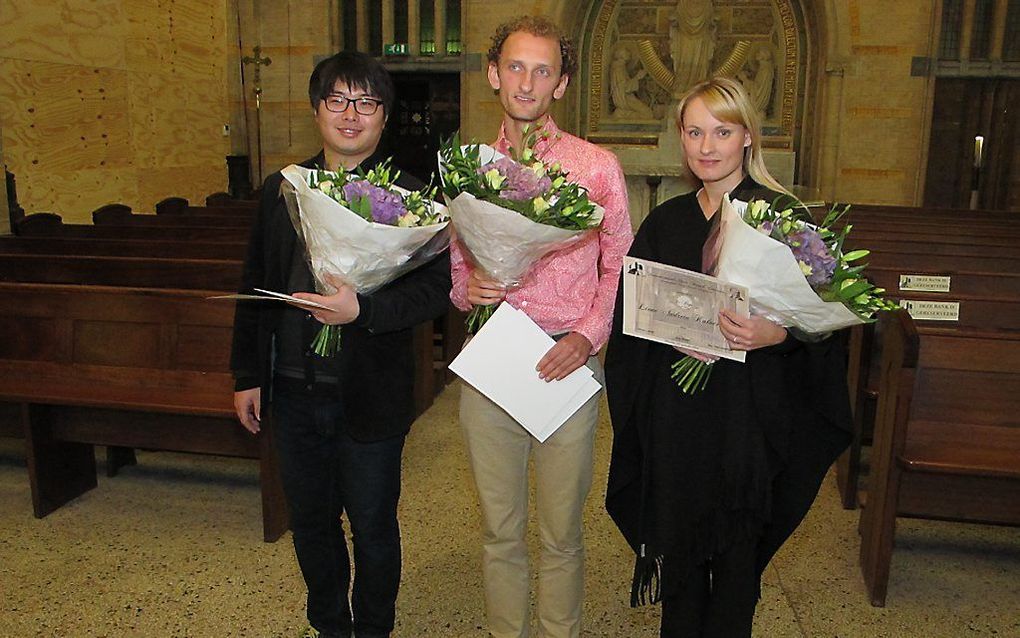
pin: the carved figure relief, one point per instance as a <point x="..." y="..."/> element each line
<point x="692" y="35"/>
<point x="758" y="77"/>
<point x="623" y="87"/>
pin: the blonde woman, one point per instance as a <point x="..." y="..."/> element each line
<point x="706" y="487"/>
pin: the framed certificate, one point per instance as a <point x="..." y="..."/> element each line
<point x="679" y="307"/>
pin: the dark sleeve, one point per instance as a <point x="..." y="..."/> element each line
<point x="420" y="295"/>
<point x="244" y="346"/>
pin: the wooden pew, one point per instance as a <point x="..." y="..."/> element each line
<point x="976" y="313"/>
<point x="214" y="205"/>
<point x="51" y="225"/>
<point x="944" y="263"/>
<point x="200" y="274"/>
<point x="947" y="435"/>
<point x="964" y="282"/>
<point x="986" y="286"/>
<point x="16" y="245"/>
<point x="129" y="367"/>
<point x="864" y="236"/>
<point x="916" y="213"/>
<point x="110" y="216"/>
<point x="975" y="247"/>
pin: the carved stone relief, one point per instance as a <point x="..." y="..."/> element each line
<point x="639" y="56"/>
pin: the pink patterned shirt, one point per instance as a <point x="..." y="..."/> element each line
<point x="572" y="289"/>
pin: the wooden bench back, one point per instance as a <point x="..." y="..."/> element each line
<point x="51" y="225"/>
<point x="195" y="274"/>
<point x="117" y="217"/>
<point x="947" y="435"/>
<point x="164" y="350"/>
<point x="155" y="247"/>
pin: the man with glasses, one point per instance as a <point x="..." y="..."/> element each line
<point x="339" y="422"/>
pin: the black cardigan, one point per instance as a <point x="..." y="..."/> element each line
<point x="376" y="361"/>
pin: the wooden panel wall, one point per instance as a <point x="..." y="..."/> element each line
<point x="113" y="101"/>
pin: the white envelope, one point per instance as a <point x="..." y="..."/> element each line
<point x="500" y="363"/>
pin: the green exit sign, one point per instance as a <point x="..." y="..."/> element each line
<point x="395" y="49"/>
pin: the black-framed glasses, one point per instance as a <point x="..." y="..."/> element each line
<point x="362" y="105"/>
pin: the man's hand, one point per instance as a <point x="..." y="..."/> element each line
<point x="343" y="303"/>
<point x="568" y="354"/>
<point x="749" y="333"/>
<point x="484" y="292"/>
<point x="248" y="405"/>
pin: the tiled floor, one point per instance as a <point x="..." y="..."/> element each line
<point x="173" y="547"/>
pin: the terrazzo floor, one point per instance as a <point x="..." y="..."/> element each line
<point x="172" y="547"/>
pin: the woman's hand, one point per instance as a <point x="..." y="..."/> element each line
<point x="700" y="356"/>
<point x="749" y="333"/>
<point x="484" y="292"/>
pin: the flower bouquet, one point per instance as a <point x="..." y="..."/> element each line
<point x="362" y="227"/>
<point x="510" y="212"/>
<point x="796" y="271"/>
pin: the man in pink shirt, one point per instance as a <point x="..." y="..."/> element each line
<point x="570" y="294"/>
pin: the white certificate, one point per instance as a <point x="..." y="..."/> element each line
<point x="269" y="295"/>
<point x="500" y="363"/>
<point x="679" y="307"/>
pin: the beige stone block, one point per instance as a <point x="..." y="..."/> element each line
<point x="891" y="23"/>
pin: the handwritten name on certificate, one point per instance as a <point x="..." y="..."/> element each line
<point x="679" y="307"/>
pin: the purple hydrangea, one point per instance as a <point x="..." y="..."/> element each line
<point x="522" y="184"/>
<point x="386" y="207"/>
<point x="809" y="249"/>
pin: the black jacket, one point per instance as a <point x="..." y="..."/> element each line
<point x="376" y="360"/>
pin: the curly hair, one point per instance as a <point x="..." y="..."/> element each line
<point x="539" y="26"/>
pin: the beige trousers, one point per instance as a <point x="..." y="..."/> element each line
<point x="498" y="448"/>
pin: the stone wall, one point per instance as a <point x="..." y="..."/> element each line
<point x="874" y="116"/>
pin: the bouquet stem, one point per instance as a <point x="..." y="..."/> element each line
<point x="691" y="374"/>
<point x="478" y="316"/>
<point x="327" y="342"/>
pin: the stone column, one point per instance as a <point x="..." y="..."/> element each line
<point x="998" y="30"/>
<point x="388" y="28"/>
<point x="338" y="39"/>
<point x="413" y="28"/>
<point x="362" y="22"/>
<point x="440" y="20"/>
<point x="966" y="29"/>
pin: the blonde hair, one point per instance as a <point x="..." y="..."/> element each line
<point x="727" y="101"/>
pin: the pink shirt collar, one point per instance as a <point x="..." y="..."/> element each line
<point x="550" y="134"/>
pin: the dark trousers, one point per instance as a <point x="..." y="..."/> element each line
<point x="716" y="599"/>
<point x="326" y="473"/>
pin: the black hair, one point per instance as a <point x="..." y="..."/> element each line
<point x="355" y="69"/>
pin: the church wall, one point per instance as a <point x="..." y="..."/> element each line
<point x="113" y="101"/>
<point x="874" y="116"/>
<point x="481" y="112"/>
<point x="867" y="116"/>
<point x="294" y="35"/>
